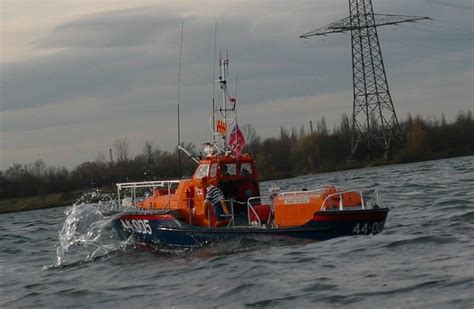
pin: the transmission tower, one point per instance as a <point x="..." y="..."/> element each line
<point x="374" y="120"/>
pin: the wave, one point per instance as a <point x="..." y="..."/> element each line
<point x="420" y="240"/>
<point x="87" y="232"/>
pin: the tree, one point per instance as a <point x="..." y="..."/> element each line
<point x="416" y="139"/>
<point x="100" y="157"/>
<point x="321" y="126"/>
<point x="251" y="136"/>
<point x="344" y="129"/>
<point x="39" y="168"/>
<point x="121" y="149"/>
<point x="302" y="132"/>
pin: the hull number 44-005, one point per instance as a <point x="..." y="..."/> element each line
<point x="367" y="228"/>
<point x="137" y="226"/>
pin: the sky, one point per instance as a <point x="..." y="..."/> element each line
<point x="76" y="75"/>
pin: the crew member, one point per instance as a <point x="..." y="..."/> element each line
<point x="215" y="197"/>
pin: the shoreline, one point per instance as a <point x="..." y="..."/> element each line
<point x="37" y="202"/>
<point x="63" y="199"/>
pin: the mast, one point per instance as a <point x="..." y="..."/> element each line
<point x="226" y="114"/>
<point x="224" y="68"/>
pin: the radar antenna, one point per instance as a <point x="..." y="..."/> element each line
<point x="226" y="113"/>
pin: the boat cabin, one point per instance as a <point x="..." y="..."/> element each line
<point x="236" y="177"/>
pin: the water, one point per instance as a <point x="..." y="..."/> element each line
<point x="424" y="258"/>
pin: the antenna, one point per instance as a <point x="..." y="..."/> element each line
<point x="227" y="111"/>
<point x="179" y="83"/>
<point x="224" y="93"/>
<point x="373" y="119"/>
<point x="213" y="124"/>
<point x="234" y="101"/>
<point x="223" y="66"/>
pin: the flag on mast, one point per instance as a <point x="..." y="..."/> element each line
<point x="221" y="127"/>
<point x="236" y="140"/>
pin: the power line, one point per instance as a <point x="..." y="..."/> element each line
<point x="374" y="120"/>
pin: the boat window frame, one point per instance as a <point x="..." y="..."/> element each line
<point x="198" y="174"/>
<point x="233" y="168"/>
<point x="248" y="167"/>
<point x="213" y="170"/>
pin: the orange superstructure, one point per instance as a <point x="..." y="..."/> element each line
<point x="236" y="176"/>
<point x="297" y="208"/>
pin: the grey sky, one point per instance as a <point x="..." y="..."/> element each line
<point x="76" y="75"/>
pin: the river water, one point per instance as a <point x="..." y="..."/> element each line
<point x="424" y="258"/>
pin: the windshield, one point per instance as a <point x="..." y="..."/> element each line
<point x="213" y="170"/>
<point x="202" y="171"/>
<point x="228" y="169"/>
<point x="245" y="169"/>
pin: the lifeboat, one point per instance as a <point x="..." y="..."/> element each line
<point x="174" y="213"/>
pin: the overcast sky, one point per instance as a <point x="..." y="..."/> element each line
<point x="75" y="75"/>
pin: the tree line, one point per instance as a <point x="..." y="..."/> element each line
<point x="294" y="152"/>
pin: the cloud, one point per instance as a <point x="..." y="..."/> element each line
<point x="96" y="77"/>
<point x="111" y="54"/>
<point x="124" y="28"/>
<point x="467" y="6"/>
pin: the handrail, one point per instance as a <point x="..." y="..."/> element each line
<point x="341" y="206"/>
<point x="146" y="184"/>
<point x="323" y="188"/>
<point x="305" y="192"/>
<point x="375" y="195"/>
<point x="251" y="208"/>
<point x="232" y="202"/>
<point x="143" y="184"/>
<point x="232" y="214"/>
<point x="313" y="192"/>
<point x="376" y="199"/>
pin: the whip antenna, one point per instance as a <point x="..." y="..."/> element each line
<point x="177" y="105"/>
<point x="234" y="99"/>
<point x="214" y="84"/>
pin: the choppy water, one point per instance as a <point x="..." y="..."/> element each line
<point x="424" y="258"/>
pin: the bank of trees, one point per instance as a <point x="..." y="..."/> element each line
<point x="293" y="152"/>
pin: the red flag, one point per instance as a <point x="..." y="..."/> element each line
<point x="221" y="126"/>
<point x="233" y="101"/>
<point x="236" y="140"/>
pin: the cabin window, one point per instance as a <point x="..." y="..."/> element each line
<point x="245" y="169"/>
<point x="202" y="171"/>
<point x="229" y="169"/>
<point x="213" y="170"/>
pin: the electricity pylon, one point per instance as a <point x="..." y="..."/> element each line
<point x="374" y="119"/>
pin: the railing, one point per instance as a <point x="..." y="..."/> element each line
<point x="308" y="193"/>
<point x="133" y="186"/>
<point x="251" y="209"/>
<point x="230" y="202"/>
<point x="316" y="192"/>
<point x="376" y="202"/>
<point x="375" y="199"/>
